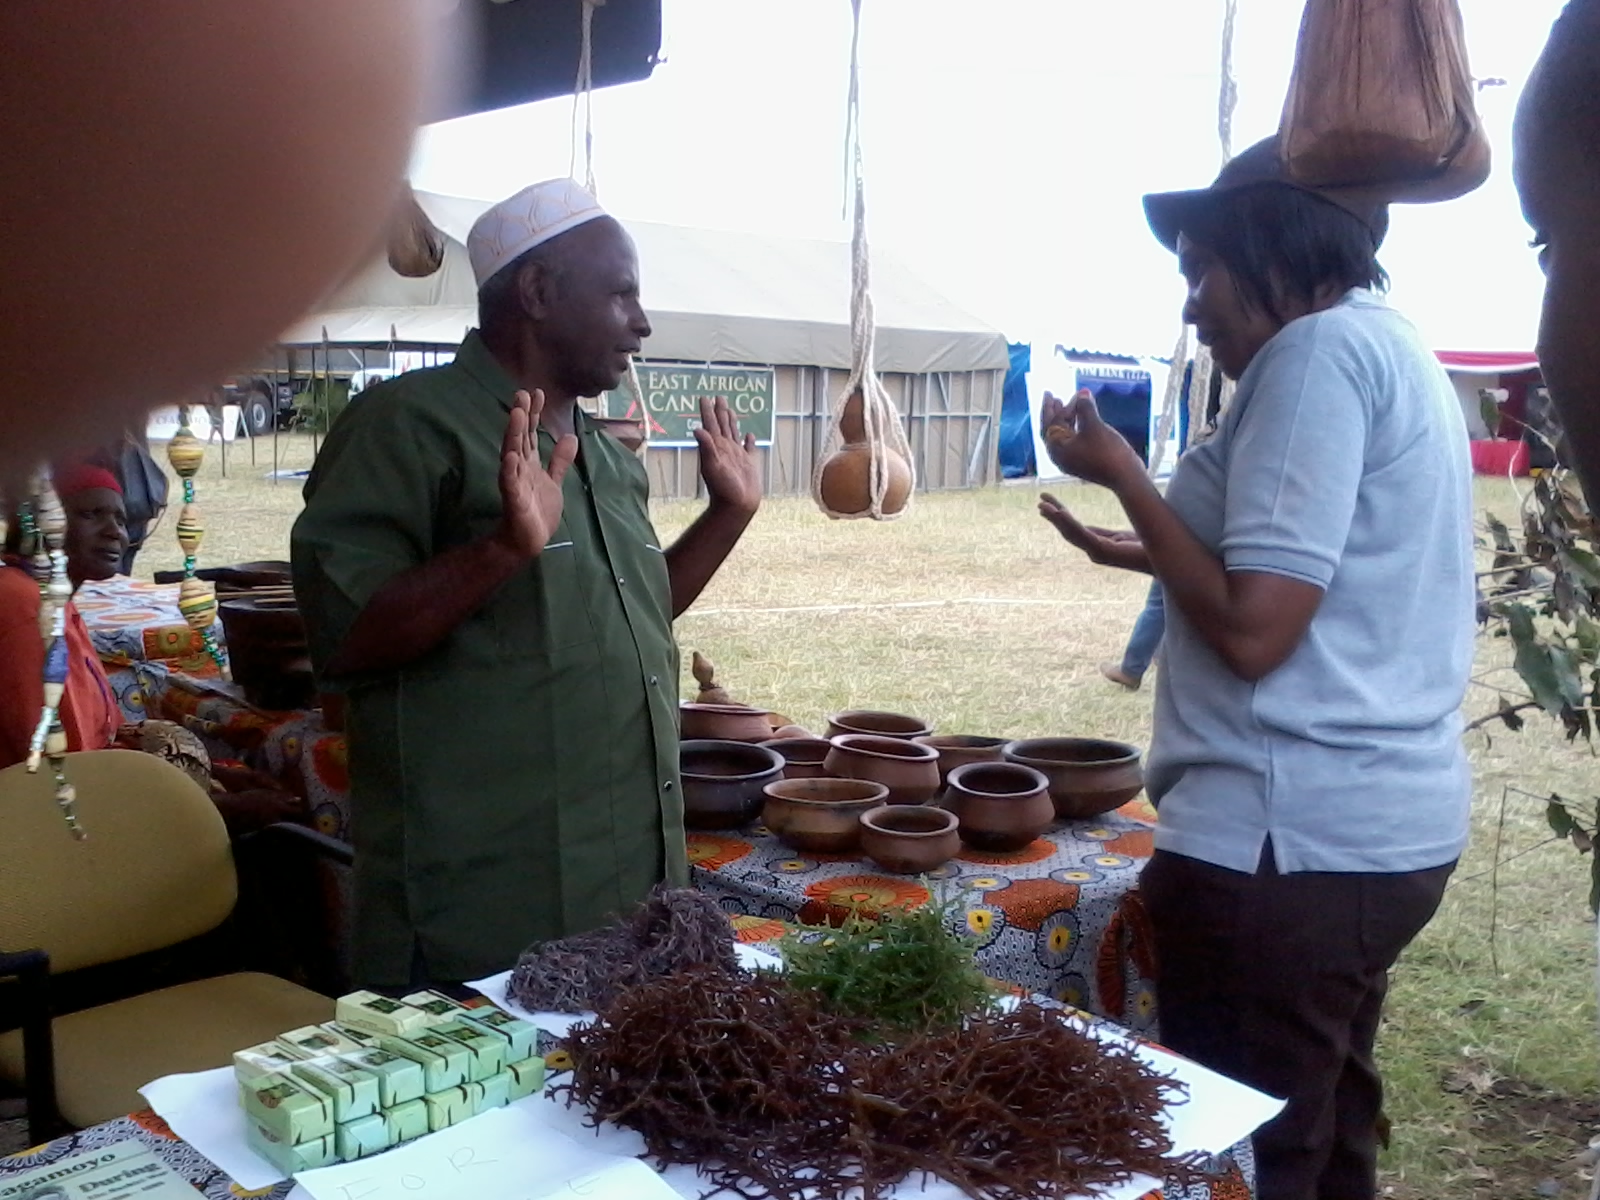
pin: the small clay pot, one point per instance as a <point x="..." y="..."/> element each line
<point x="1002" y="806"/>
<point x="879" y="724"/>
<point x="723" y="722"/>
<point x="723" y="782"/>
<point x="959" y="749"/>
<point x="1088" y="776"/>
<point x="803" y="757"/>
<point x="909" y="839"/>
<point x="909" y="771"/>
<point x="790" y="732"/>
<point x="820" y="816"/>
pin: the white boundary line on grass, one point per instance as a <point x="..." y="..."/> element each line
<point x="899" y="604"/>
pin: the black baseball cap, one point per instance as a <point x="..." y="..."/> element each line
<point x="1169" y="213"/>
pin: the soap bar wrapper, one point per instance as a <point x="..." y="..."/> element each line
<point x="522" y="1039"/>
<point x="383" y="1016"/>
<point x="319" y="1039"/>
<point x="400" y="1080"/>
<point x="290" y="1110"/>
<point x="496" y="1092"/>
<point x="353" y="1092"/>
<point x="287" y="1157"/>
<point x="487" y="1050"/>
<point x="527" y="1077"/>
<point x="444" y="1063"/>
<point x="453" y="1105"/>
<point x="361" y="1037"/>
<point x="269" y="1058"/>
<point x="437" y="1005"/>
<point x="362" y="1137"/>
<point x="406" y="1122"/>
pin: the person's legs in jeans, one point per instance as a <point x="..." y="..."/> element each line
<point x="1148" y="630"/>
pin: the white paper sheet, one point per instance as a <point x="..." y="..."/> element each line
<point x="203" y="1109"/>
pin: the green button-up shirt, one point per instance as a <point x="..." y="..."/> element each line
<point x="520" y="781"/>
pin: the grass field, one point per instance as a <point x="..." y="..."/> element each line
<point x="972" y="613"/>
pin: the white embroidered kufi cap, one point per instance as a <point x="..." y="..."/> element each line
<point x="530" y="218"/>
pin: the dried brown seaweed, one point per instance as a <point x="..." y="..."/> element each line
<point x="671" y="929"/>
<point x="748" y="1080"/>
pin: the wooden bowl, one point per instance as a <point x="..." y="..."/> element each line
<point x="1002" y="806"/>
<point x="959" y="749"/>
<point x="723" y="722"/>
<point x="820" y="816"/>
<point x="1088" y="776"/>
<point x="879" y="724"/>
<point x="723" y="782"/>
<point x="803" y="757"/>
<point x="909" y="771"/>
<point x="909" y="839"/>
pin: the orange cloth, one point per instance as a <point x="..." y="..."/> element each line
<point x="89" y="711"/>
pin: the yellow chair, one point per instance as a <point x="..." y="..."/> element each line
<point x="155" y="870"/>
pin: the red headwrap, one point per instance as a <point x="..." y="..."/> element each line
<point x="71" y="478"/>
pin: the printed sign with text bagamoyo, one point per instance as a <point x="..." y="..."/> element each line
<point x="672" y="393"/>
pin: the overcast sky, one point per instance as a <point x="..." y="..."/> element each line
<point x="1006" y="145"/>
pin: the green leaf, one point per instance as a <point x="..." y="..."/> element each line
<point x="1509" y="714"/>
<point x="1533" y="662"/>
<point x="1588" y="634"/>
<point x="1583" y="564"/>
<point x="1560" y="820"/>
<point x="1565" y="664"/>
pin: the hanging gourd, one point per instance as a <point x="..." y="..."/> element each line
<point x="197" y="600"/>
<point x="870" y="474"/>
<point x="43" y="525"/>
<point x="415" y="245"/>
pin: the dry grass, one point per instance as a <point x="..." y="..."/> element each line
<point x="972" y="613"/>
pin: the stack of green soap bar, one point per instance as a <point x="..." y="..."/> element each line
<point x="385" y="1072"/>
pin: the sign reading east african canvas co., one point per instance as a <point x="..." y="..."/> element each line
<point x="672" y="395"/>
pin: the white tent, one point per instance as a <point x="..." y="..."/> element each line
<point x="712" y="297"/>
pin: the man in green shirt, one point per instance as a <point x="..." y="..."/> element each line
<point x="478" y="571"/>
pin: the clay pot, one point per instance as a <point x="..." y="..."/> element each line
<point x="789" y="733"/>
<point x="845" y="481"/>
<point x="959" y="749"/>
<point x="909" y="771"/>
<point x="803" y="757"/>
<point x="723" y="782"/>
<point x="723" y="722"/>
<point x="1002" y="806"/>
<point x="820" y="816"/>
<point x="267" y="651"/>
<point x="1088" y="776"/>
<point x="909" y="839"/>
<point x="879" y="724"/>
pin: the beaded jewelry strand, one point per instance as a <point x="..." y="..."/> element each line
<point x="44" y="533"/>
<point x="197" y="601"/>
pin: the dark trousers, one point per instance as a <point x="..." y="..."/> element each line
<point x="1278" y="981"/>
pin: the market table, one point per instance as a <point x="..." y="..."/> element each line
<point x="1234" y="1170"/>
<point x="1062" y="918"/>
<point x="133" y="620"/>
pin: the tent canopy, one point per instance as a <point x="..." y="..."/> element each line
<point x="1488" y="362"/>
<point x="712" y="297"/>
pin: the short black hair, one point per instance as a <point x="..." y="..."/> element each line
<point x="498" y="296"/>
<point x="1282" y="243"/>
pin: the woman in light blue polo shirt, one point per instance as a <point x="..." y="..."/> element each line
<point x="1317" y="561"/>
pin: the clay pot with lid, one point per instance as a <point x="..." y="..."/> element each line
<point x="909" y="839"/>
<point x="909" y="771"/>
<point x="1088" y="776"/>
<point x="959" y="749"/>
<point x="803" y="757"/>
<point x="820" y="816"/>
<point x="723" y="722"/>
<point x="1002" y="806"/>
<point x="845" y="481"/>
<point x="879" y="724"/>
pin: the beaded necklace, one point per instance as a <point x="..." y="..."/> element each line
<point x="197" y="601"/>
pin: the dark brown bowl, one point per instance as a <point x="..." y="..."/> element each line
<point x="959" y="749"/>
<point x="723" y="782"/>
<point x="1002" y="806"/>
<point x="909" y="839"/>
<point x="820" y="816"/>
<point x="802" y="756"/>
<point x="1088" y="776"/>
<point x="909" y="771"/>
<point x="879" y="724"/>
<point x="723" y="723"/>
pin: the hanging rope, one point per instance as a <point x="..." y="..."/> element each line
<point x="1202" y="367"/>
<point x="871" y="473"/>
<point x="583" y="99"/>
